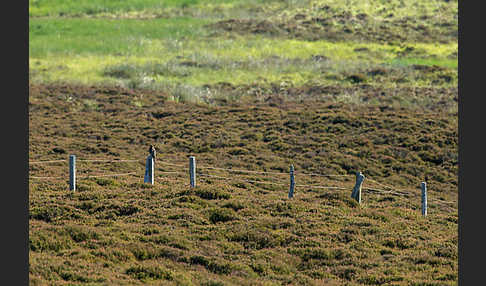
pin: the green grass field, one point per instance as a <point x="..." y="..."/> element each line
<point x="329" y="86"/>
<point x="85" y="7"/>
<point x="190" y="51"/>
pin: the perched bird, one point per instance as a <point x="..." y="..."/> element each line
<point x="152" y="151"/>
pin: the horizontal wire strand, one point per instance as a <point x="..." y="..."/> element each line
<point x="107" y="175"/>
<point x="393" y="190"/>
<point x="107" y="161"/>
<point x="51" y="161"/>
<point x="263" y="182"/>
<point x="242" y="171"/>
<point x="41" y="178"/>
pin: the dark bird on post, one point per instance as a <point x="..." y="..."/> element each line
<point x="152" y="151"/>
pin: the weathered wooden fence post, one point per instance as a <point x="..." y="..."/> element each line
<point x="292" y="182"/>
<point x="72" y="172"/>
<point x="192" y="171"/>
<point x="423" y="186"/>
<point x="356" y="194"/>
<point x="149" y="170"/>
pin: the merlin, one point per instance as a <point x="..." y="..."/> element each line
<point x="152" y="151"/>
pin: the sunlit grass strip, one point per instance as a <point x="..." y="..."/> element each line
<point x="39" y="8"/>
<point x="184" y="36"/>
<point x="102" y="36"/>
<point x="99" y="69"/>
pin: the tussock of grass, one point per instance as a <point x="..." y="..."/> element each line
<point x="145" y="273"/>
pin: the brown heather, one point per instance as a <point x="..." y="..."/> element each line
<point x="120" y="231"/>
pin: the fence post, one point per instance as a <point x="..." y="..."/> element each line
<point x="356" y="194"/>
<point x="292" y="182"/>
<point x="72" y="172"/>
<point x="423" y="186"/>
<point x="192" y="171"/>
<point x="149" y="170"/>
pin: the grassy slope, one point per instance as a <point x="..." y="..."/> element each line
<point x="382" y="102"/>
<point x="119" y="231"/>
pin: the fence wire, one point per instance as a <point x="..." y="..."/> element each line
<point x="272" y="183"/>
<point x="323" y="175"/>
<point x="45" y="162"/>
<point x="106" y="161"/>
<point x="240" y="179"/>
<point x="106" y="175"/>
<point x="43" y="178"/>
<point x="242" y="171"/>
<point x="391" y="190"/>
<point x="171" y="164"/>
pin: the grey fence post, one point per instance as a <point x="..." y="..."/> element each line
<point x="192" y="171"/>
<point x="72" y="172"/>
<point x="423" y="186"/>
<point x="292" y="182"/>
<point x="356" y="194"/>
<point x="149" y="170"/>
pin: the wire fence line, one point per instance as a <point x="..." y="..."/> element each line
<point x="272" y="183"/>
<point x="242" y="171"/>
<point x="391" y="190"/>
<point x="207" y="167"/>
<point x="385" y="192"/>
<point x="403" y="192"/>
<point x="381" y="191"/>
<point x="108" y="175"/>
<point x="107" y="161"/>
<point x="246" y="180"/>
<point x="45" y="162"/>
<point x="443" y="203"/>
<point x="323" y="175"/>
<point x="41" y="178"/>
<point x="171" y="164"/>
<point x="380" y="184"/>
<point x="271" y="173"/>
<point x="172" y="172"/>
<point x="322" y="187"/>
<point x="218" y="168"/>
<point x="83" y="160"/>
<point x="264" y="182"/>
<point x="275" y="173"/>
<point x="87" y="160"/>
<point x="258" y="172"/>
<point x="86" y="176"/>
<point x="224" y="169"/>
